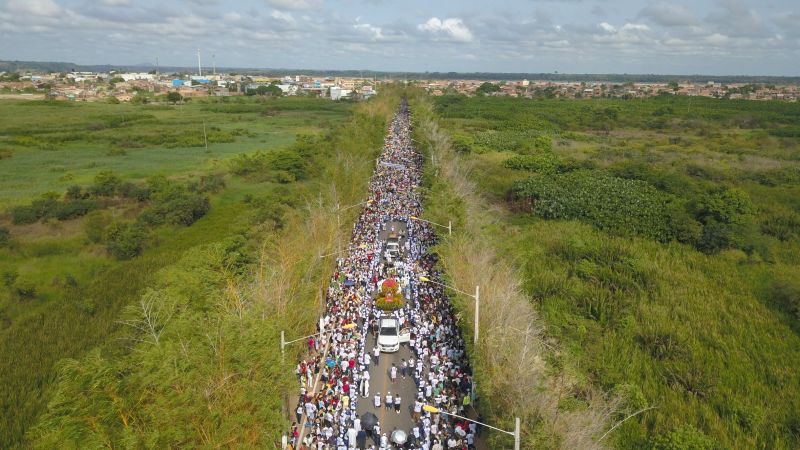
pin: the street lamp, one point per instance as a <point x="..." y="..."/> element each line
<point x="284" y="342"/>
<point x="362" y="247"/>
<point x="515" y="433"/>
<point x="477" y="298"/>
<point x="449" y="225"/>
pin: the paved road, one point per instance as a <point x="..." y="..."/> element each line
<point x="380" y="380"/>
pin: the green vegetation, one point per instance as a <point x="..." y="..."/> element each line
<point x="657" y="241"/>
<point x="84" y="231"/>
<point x="211" y="301"/>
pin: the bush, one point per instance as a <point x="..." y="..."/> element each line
<point x="627" y="207"/>
<point x="462" y="143"/>
<point x="283" y="166"/>
<point x="5" y="237"/>
<point x="95" y="225"/>
<point x="73" y="208"/>
<point x="539" y="144"/>
<point x="21" y="215"/>
<point x="125" y="240"/>
<point x="134" y="191"/>
<point x="74" y="192"/>
<point x="176" y="206"/>
<point x="105" y="184"/>
<point x="727" y="218"/>
<point x="208" y="183"/>
<point x="786" y="293"/>
<point x="684" y="438"/>
<point x="545" y="163"/>
<point x="24" y="289"/>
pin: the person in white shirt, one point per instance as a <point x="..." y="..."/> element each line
<point x="389" y="400"/>
<point x="417" y="410"/>
<point x="351" y="437"/>
<point x="378" y="400"/>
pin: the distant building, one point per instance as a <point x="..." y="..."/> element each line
<point x="338" y="93"/>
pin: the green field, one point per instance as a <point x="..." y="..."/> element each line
<point x="658" y="240"/>
<point x="63" y="293"/>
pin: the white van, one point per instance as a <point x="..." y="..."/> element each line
<point x="390" y="336"/>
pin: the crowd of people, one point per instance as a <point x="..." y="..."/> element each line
<point x="334" y="377"/>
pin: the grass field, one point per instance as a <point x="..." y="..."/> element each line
<point x="78" y="290"/>
<point x="692" y="307"/>
<point x="54" y="145"/>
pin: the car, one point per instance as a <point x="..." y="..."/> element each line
<point x="390" y="336"/>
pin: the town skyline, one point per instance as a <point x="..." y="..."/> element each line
<point x="725" y="37"/>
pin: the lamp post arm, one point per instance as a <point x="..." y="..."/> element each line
<point x="479" y="423"/>
<point x="353" y="206"/>
<point x="432" y="223"/>
<point x="450" y="287"/>
<point x="306" y="337"/>
<point x="345" y="250"/>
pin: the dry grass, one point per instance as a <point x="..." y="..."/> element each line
<point x="510" y="359"/>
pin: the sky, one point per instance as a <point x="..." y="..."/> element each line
<point x="719" y="37"/>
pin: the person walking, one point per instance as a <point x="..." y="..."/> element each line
<point x="403" y="368"/>
<point x="393" y="373"/>
<point x="397" y="404"/>
<point x="417" y="410"/>
<point x="377" y="400"/>
<point x="389" y="400"/>
<point x="376" y="352"/>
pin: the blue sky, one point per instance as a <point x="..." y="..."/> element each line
<point x="569" y="36"/>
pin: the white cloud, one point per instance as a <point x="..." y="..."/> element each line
<point x="294" y="4"/>
<point x="375" y="33"/>
<point x="280" y="15"/>
<point x="35" y="7"/>
<point x="454" y="28"/>
<point x="635" y="27"/>
<point x="668" y="15"/>
<point x="607" y="27"/>
<point x="115" y="2"/>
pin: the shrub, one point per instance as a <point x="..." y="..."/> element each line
<point x="134" y="191"/>
<point x="105" y="184"/>
<point x="783" y="226"/>
<point x="176" y="206"/>
<point x="74" y="192"/>
<point x="21" y="215"/>
<point x="74" y="208"/>
<point x="684" y="438"/>
<point x="9" y="277"/>
<point x="538" y="144"/>
<point x="462" y="143"/>
<point x="628" y="207"/>
<point x="278" y="165"/>
<point x="24" y="289"/>
<point x="125" y="240"/>
<point x="5" y="237"/>
<point x="95" y="225"/>
<point x="786" y="293"/>
<point x="545" y="163"/>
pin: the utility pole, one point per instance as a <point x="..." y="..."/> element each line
<point x="477" y="312"/>
<point x="205" y="137"/>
